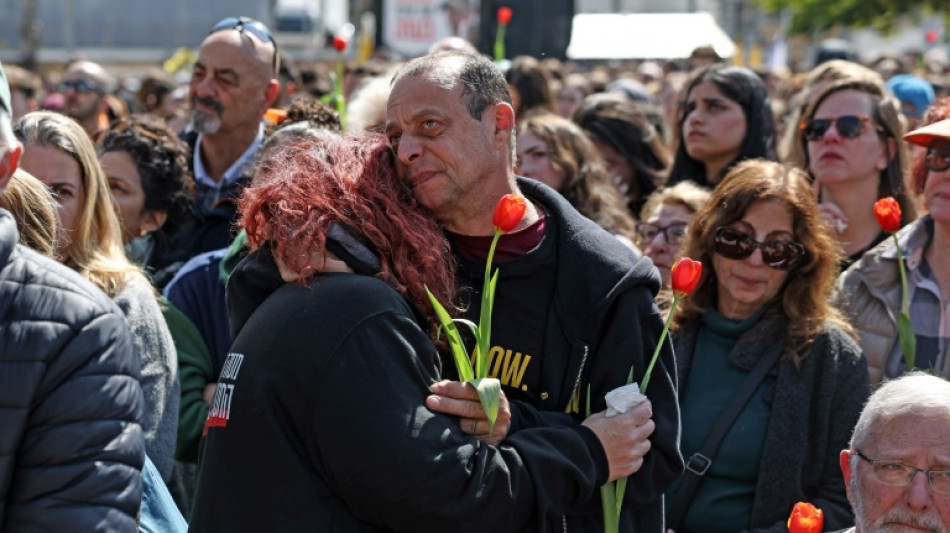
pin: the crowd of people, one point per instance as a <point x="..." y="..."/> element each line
<point x="215" y="304"/>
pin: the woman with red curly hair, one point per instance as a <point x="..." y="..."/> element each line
<point x="319" y="420"/>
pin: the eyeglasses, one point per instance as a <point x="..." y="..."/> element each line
<point x="254" y="27"/>
<point x="674" y="233"/>
<point x="901" y="475"/>
<point x="937" y="158"/>
<point x="848" y="126"/>
<point x="780" y="255"/>
<point x="80" y="86"/>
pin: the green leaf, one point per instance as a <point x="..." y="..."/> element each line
<point x="608" y="502"/>
<point x="907" y="339"/>
<point x="489" y="394"/>
<point x="455" y="340"/>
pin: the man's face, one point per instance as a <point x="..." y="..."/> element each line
<point x="919" y="441"/>
<point x="229" y="84"/>
<point x="82" y="95"/>
<point x="443" y="152"/>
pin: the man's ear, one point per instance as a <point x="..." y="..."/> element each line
<point x="8" y="164"/>
<point x="270" y="94"/>
<point x="153" y="220"/>
<point x="504" y="116"/>
<point x="844" y="459"/>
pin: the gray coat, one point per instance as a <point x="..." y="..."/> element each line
<point x="155" y="348"/>
<point x="813" y="413"/>
<point x="71" y="447"/>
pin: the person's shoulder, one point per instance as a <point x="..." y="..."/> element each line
<point x="43" y="284"/>
<point x="205" y="264"/>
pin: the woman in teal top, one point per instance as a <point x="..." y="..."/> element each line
<point x="769" y="268"/>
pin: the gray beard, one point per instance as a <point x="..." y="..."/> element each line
<point x="863" y="525"/>
<point x="203" y="122"/>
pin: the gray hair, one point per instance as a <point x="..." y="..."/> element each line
<point x="913" y="394"/>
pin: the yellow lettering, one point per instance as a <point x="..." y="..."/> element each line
<point x="575" y="404"/>
<point x="514" y="369"/>
<point x="494" y="361"/>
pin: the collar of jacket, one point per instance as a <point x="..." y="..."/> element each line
<point x="765" y="336"/>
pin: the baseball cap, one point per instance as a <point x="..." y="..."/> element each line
<point x="5" y="92"/>
<point x="915" y="93"/>
<point x="923" y="136"/>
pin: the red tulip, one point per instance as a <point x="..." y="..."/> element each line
<point x="805" y="518"/>
<point x="504" y="15"/>
<point x="509" y="212"/>
<point x="339" y="43"/>
<point x="685" y="275"/>
<point x="888" y="213"/>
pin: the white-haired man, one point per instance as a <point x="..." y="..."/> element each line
<point x="897" y="469"/>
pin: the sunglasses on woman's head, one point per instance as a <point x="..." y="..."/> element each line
<point x="780" y="255"/>
<point x="937" y="158"/>
<point x="848" y="126"/>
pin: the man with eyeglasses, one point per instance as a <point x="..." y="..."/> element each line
<point x="897" y="468"/>
<point x="84" y="87"/>
<point x="233" y="83"/>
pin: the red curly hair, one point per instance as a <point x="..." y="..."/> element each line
<point x="304" y="186"/>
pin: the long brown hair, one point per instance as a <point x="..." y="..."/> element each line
<point x="587" y="184"/>
<point x="804" y="301"/>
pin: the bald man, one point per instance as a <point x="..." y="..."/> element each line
<point x="233" y="83"/>
<point x="84" y="86"/>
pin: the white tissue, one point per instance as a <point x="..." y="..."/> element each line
<point x="621" y="400"/>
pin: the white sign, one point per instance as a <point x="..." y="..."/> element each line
<point x="411" y="26"/>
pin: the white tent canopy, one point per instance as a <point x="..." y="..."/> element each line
<point x="645" y="36"/>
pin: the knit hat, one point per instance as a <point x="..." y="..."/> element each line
<point x="5" y="93"/>
<point x="916" y="94"/>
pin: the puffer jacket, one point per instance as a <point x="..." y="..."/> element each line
<point x="869" y="293"/>
<point x="71" y="444"/>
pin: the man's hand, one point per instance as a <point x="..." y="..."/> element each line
<point x="461" y="400"/>
<point x="624" y="438"/>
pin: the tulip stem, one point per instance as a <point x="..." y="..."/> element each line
<point x="659" y="344"/>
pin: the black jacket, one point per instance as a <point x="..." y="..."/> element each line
<point x="71" y="447"/>
<point x="320" y="425"/>
<point x="599" y="321"/>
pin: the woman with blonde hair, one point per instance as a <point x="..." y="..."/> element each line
<point x="760" y="320"/>
<point x="58" y="152"/>
<point x="34" y="209"/>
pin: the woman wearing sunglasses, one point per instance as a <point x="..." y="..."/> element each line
<point x="769" y="268"/>
<point x="870" y="291"/>
<point x="725" y="117"/>
<point x="850" y="135"/>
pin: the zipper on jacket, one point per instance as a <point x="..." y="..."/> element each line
<point x="577" y="383"/>
<point x="564" y="521"/>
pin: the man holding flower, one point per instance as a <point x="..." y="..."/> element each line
<point x="574" y="309"/>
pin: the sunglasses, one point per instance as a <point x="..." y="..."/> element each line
<point x="848" y="126"/>
<point x="80" y="86"/>
<point x="937" y="158"/>
<point x="254" y="27"/>
<point x="780" y="255"/>
<point x="674" y="233"/>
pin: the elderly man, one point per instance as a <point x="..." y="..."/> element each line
<point x="84" y="86"/>
<point x="71" y="444"/>
<point x="233" y="83"/>
<point x="574" y="308"/>
<point x="903" y="431"/>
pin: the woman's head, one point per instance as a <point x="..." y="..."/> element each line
<point x="851" y="131"/>
<point x="634" y="152"/>
<point x="931" y="172"/>
<point x="305" y="186"/>
<point x="762" y="241"/>
<point x="664" y="221"/>
<point x="571" y="94"/>
<point x="146" y="166"/>
<point x="530" y="85"/>
<point x="725" y="116"/>
<point x="554" y="150"/>
<point x="58" y="152"/>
